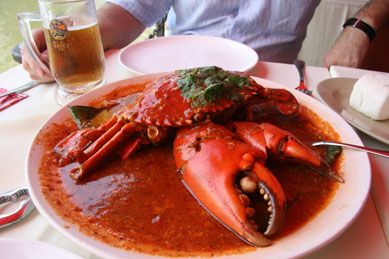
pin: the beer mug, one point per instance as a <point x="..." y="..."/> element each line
<point x="73" y="42"/>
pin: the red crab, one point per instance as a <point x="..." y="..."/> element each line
<point x="209" y="155"/>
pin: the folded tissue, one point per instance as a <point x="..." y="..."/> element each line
<point x="11" y="99"/>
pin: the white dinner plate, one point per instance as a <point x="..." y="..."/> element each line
<point x="322" y="229"/>
<point x="12" y="248"/>
<point x="170" y="53"/>
<point x="335" y="92"/>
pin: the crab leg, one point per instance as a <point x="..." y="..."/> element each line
<point x="89" y="146"/>
<point x="210" y="158"/>
<point x="106" y="144"/>
<point x="104" y="138"/>
<point x="283" y="99"/>
<point x="72" y="147"/>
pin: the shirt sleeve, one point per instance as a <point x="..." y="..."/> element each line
<point x="147" y="12"/>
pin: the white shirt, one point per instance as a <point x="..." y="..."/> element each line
<point x="275" y="29"/>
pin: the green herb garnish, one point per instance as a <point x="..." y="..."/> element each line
<point x="87" y="116"/>
<point x="204" y="85"/>
<point x="332" y="153"/>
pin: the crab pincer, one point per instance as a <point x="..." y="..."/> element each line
<point x="225" y="171"/>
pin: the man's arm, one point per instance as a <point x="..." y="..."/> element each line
<point x="117" y="26"/>
<point x="352" y="45"/>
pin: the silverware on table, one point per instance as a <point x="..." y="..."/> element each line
<point x="300" y="65"/>
<point x="369" y="150"/>
<point x="24" y="208"/>
<point x="22" y="88"/>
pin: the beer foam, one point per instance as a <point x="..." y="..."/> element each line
<point x="81" y="23"/>
<point x="80" y="27"/>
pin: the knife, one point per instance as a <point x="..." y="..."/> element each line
<point x="22" y="88"/>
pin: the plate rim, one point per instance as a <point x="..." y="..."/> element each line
<point x="102" y="249"/>
<point x="27" y="244"/>
<point x="170" y="37"/>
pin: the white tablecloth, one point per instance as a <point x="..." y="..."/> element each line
<point x="380" y="165"/>
<point x="19" y="124"/>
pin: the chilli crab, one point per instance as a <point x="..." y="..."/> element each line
<point x="220" y="152"/>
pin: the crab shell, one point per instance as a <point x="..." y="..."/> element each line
<point x="161" y="103"/>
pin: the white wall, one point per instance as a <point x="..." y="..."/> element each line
<point x="325" y="27"/>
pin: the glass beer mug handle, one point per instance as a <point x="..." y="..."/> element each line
<point x="24" y="20"/>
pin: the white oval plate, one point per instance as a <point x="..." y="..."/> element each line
<point x="170" y="53"/>
<point x="335" y="92"/>
<point x="325" y="227"/>
<point x="12" y="248"/>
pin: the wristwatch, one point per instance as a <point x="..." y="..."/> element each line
<point x="358" y="23"/>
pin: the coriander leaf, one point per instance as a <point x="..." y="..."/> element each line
<point x="204" y="85"/>
<point x="332" y="153"/>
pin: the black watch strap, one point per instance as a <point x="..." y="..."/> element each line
<point x="358" y="23"/>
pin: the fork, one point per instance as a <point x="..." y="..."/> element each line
<point x="300" y="65"/>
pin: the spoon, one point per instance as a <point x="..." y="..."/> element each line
<point x="359" y="148"/>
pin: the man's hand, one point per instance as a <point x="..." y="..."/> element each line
<point x="30" y="65"/>
<point x="349" y="49"/>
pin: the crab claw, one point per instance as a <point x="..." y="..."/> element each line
<point x="283" y="145"/>
<point x="222" y="172"/>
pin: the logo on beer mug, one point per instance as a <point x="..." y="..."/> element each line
<point x="58" y="29"/>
